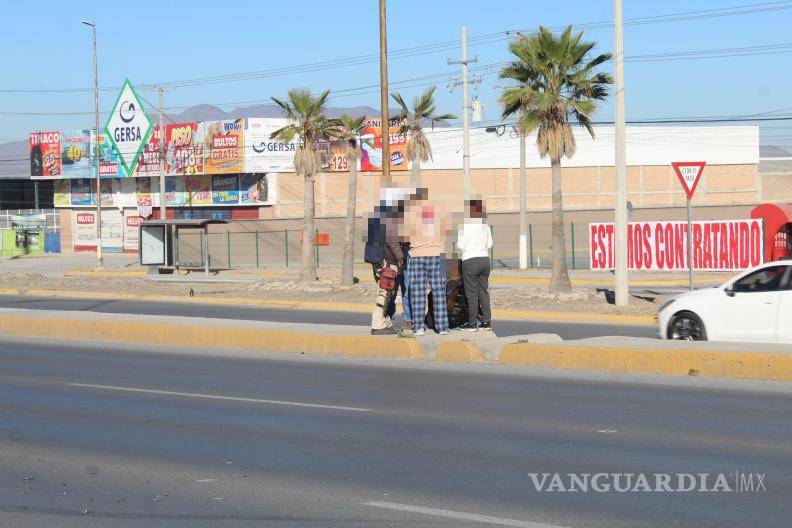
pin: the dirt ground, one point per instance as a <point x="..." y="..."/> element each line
<point x="513" y="297"/>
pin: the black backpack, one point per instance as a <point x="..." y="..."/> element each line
<point x="374" y="252"/>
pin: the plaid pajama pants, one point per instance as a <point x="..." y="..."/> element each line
<point x="419" y="271"/>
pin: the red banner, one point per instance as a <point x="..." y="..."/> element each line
<point x="718" y="245"/>
<point x="45" y="154"/>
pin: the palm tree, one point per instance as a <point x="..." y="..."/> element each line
<point x="349" y="130"/>
<point x="556" y="83"/>
<point x="308" y="123"/>
<point x="418" y="148"/>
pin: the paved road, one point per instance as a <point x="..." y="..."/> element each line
<point x="91" y="437"/>
<point x="249" y="313"/>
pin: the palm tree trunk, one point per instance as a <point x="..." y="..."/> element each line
<point x="308" y="265"/>
<point x="347" y="274"/>
<point x="559" y="280"/>
<point x="415" y="177"/>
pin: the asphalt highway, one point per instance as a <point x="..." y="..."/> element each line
<point x="503" y="328"/>
<point x="101" y="435"/>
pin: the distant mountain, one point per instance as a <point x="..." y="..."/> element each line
<point x="771" y="151"/>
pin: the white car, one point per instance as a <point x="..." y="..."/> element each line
<point x="754" y="306"/>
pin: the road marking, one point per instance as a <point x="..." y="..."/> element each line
<point x="219" y="397"/>
<point x="450" y="514"/>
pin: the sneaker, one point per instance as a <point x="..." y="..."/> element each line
<point x="383" y="331"/>
<point x="486" y="326"/>
<point x="468" y="327"/>
<point x="443" y="332"/>
<point x="419" y="332"/>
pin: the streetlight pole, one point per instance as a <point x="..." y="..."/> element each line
<point x="620" y="206"/>
<point x="386" y="178"/>
<point x="99" y="259"/>
<point x="523" y="217"/>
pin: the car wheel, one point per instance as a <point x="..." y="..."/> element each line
<point x="686" y="326"/>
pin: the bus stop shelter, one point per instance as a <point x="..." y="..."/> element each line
<point x="159" y="241"/>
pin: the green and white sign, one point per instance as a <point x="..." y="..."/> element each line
<point x="128" y="127"/>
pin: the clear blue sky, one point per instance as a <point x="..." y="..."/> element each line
<point x="46" y="47"/>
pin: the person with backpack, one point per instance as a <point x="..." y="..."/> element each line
<point x="383" y="251"/>
<point x="474" y="240"/>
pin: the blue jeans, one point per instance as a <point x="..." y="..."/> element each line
<point x="402" y="285"/>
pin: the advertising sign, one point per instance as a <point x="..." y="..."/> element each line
<point x="61" y="196"/>
<point x="82" y="193"/>
<point x="225" y="190"/>
<point x="254" y="189"/>
<point x="371" y="144"/>
<point x="336" y="158"/>
<point x="174" y="191"/>
<point x="718" y="245"/>
<point x="152" y="245"/>
<point x="131" y="227"/>
<point x="109" y="164"/>
<point x="76" y="154"/>
<point x="143" y="195"/>
<point x="128" y="127"/>
<point x="149" y="162"/>
<point x="84" y="231"/>
<point x="198" y="189"/>
<point x="45" y="154"/>
<point x="263" y="154"/>
<point x="108" y="189"/>
<point x="224" y="143"/>
<point x="185" y="149"/>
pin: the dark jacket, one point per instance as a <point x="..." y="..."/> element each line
<point x="393" y="247"/>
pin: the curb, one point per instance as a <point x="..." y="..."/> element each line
<point x="764" y="366"/>
<point x="570" y="317"/>
<point x="212" y="337"/>
<point x="459" y="352"/>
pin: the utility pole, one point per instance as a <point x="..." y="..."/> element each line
<point x="620" y="205"/>
<point x="161" y="91"/>
<point x="99" y="259"/>
<point x="465" y="114"/>
<point x="386" y="178"/>
<point x="523" y="216"/>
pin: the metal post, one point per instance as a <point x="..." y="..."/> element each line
<point x="35" y="194"/>
<point x="162" y="152"/>
<point x="316" y="247"/>
<point x="620" y="221"/>
<point x="689" y="246"/>
<point x="286" y="245"/>
<point x="530" y="242"/>
<point x="465" y="125"/>
<point x="523" y="216"/>
<point x="257" y="249"/>
<point x="386" y="178"/>
<point x="99" y="259"/>
<point x="205" y="244"/>
<point x="572" y="224"/>
<point x="228" y="244"/>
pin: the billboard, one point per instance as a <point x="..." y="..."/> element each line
<point x="224" y="146"/>
<point x="371" y="145"/>
<point x="174" y="192"/>
<point x="76" y="154"/>
<point x="225" y="189"/>
<point x="263" y="154"/>
<point x="61" y="196"/>
<point x="82" y="193"/>
<point x="198" y="189"/>
<point x="257" y="189"/>
<point x="45" y="154"/>
<point x="184" y="149"/>
<point x="149" y="162"/>
<point x="718" y="245"/>
<point x="109" y="164"/>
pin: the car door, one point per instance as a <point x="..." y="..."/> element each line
<point x="748" y="310"/>
<point x="784" y="318"/>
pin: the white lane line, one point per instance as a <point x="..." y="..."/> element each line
<point x="450" y="514"/>
<point x="220" y="397"/>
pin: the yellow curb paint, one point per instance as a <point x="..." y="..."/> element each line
<point x="458" y="352"/>
<point x="212" y="337"/>
<point x="572" y="317"/>
<point x="680" y="362"/>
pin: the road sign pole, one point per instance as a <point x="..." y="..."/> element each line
<point x="690" y="246"/>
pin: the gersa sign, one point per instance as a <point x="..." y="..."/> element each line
<point x="128" y="127"/>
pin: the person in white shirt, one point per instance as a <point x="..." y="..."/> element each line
<point x="474" y="240"/>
